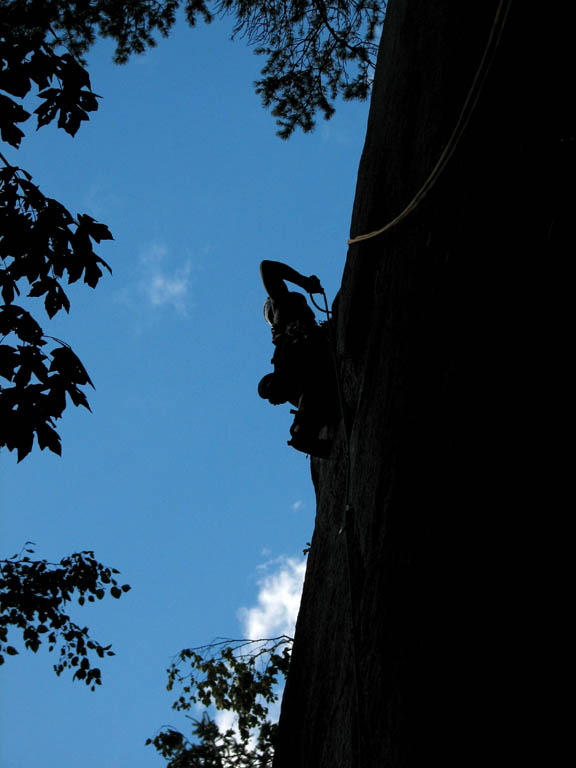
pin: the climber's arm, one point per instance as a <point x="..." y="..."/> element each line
<point x="275" y="273"/>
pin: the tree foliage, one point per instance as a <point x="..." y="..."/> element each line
<point x="315" y="50"/>
<point x="33" y="599"/>
<point x="212" y="748"/>
<point x="41" y="242"/>
<point x="238" y="676"/>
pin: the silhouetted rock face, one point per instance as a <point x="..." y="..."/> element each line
<point x="399" y="655"/>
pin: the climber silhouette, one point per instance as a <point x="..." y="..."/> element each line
<point x="303" y="374"/>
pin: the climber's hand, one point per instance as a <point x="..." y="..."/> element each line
<point x="314" y="285"/>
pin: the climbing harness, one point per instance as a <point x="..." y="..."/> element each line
<point x="467" y="110"/>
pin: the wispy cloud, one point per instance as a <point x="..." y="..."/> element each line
<point x="103" y="202"/>
<point x="163" y="284"/>
<point x="168" y="289"/>
<point x="333" y="135"/>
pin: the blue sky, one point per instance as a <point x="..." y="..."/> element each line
<point x="181" y="476"/>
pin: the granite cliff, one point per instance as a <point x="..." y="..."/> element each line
<point x="400" y="656"/>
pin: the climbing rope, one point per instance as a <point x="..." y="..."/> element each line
<point x="319" y="308"/>
<point x="467" y="110"/>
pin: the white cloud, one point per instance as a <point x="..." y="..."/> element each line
<point x="298" y="505"/>
<point x="280" y="590"/>
<point x="226" y="720"/>
<point x="162" y="284"/>
<point x="168" y="289"/>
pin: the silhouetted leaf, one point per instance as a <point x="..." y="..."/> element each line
<point x="8" y="360"/>
<point x="42" y="67"/>
<point x="47" y="111"/>
<point x="24" y="444"/>
<point x="10" y="114"/>
<point x="56" y="300"/>
<point x="14" y="319"/>
<point x="15" y="81"/>
<point x="40" y="287"/>
<point x="9" y="288"/>
<point x="69" y="365"/>
<point x="95" y="229"/>
<point x="92" y="274"/>
<point x="48" y="438"/>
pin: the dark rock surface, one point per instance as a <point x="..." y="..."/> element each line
<point x="400" y="654"/>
